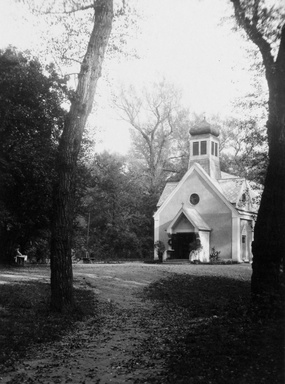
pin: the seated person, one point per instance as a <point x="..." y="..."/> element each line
<point x="18" y="254"/>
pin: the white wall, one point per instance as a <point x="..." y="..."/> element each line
<point x="212" y="209"/>
<point x="205" y="241"/>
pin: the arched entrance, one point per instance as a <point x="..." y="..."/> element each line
<point x="185" y="232"/>
<point x="181" y="244"/>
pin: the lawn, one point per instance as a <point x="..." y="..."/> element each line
<point x="207" y="334"/>
<point x="193" y="324"/>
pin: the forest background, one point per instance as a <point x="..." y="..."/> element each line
<point x="155" y="86"/>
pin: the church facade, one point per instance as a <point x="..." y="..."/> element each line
<point x="207" y="211"/>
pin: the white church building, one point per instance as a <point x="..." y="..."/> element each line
<point x="207" y="209"/>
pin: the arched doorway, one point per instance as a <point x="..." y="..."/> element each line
<point x="184" y="231"/>
<point x="182" y="244"/>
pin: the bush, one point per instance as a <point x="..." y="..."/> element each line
<point x="214" y="256"/>
<point x="160" y="248"/>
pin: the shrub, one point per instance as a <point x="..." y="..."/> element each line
<point x="160" y="248"/>
<point x="214" y="256"/>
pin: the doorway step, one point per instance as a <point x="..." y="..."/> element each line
<point x="176" y="261"/>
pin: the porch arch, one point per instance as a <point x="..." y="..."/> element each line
<point x="186" y="226"/>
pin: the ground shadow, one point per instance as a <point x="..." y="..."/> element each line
<point x="26" y="319"/>
<point x="201" y="331"/>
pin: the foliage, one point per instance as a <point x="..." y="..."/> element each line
<point x="31" y="121"/>
<point x="159" y="248"/>
<point x="244" y="148"/>
<point x="119" y="218"/>
<point x="38" y="250"/>
<point x="70" y="24"/>
<point x="266" y="17"/>
<point x="214" y="256"/>
<point x="244" y="140"/>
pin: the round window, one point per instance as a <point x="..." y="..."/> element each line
<point x="194" y="199"/>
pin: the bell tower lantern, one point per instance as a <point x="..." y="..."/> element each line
<point x="204" y="148"/>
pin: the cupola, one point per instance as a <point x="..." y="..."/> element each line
<point x="204" y="148"/>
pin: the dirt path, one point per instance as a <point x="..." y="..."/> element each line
<point x="88" y="355"/>
<point x="104" y="349"/>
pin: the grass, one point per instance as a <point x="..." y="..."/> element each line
<point x="203" y="331"/>
<point x="199" y="328"/>
<point x="26" y="320"/>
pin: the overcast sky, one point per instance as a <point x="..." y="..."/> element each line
<point x="184" y="41"/>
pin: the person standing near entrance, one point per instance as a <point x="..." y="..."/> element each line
<point x="195" y="248"/>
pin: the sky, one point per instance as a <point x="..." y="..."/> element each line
<point x="183" y="41"/>
<point x="187" y="44"/>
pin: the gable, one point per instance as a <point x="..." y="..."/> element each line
<point x="196" y="180"/>
<point x="240" y="193"/>
<point x="188" y="219"/>
<point x="248" y="198"/>
<point x="182" y="224"/>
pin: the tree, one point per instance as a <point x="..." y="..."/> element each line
<point x="77" y="44"/>
<point x="160" y="145"/>
<point x="69" y="146"/>
<point x="265" y="27"/>
<point x="157" y="119"/>
<point x="243" y="146"/>
<point x="113" y="204"/>
<point x="31" y="122"/>
<point x="243" y="136"/>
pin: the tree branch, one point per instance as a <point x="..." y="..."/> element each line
<point x="250" y="27"/>
<point x="68" y="12"/>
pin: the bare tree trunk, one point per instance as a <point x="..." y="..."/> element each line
<point x="63" y="205"/>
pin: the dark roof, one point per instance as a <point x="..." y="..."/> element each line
<point x="231" y="188"/>
<point x="169" y="187"/>
<point x="202" y="128"/>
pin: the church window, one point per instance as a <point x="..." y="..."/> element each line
<point x="196" y="148"/>
<point x="199" y="148"/>
<point x="194" y="199"/>
<point x="203" y="147"/>
<point x="214" y="149"/>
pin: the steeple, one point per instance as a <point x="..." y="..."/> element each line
<point x="204" y="148"/>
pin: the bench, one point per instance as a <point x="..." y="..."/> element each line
<point x="21" y="259"/>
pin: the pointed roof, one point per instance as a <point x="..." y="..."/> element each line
<point x="196" y="219"/>
<point x="171" y="190"/>
<point x="193" y="217"/>
<point x="231" y="186"/>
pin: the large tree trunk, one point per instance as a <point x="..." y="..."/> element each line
<point x="63" y="207"/>
<point x="269" y="233"/>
